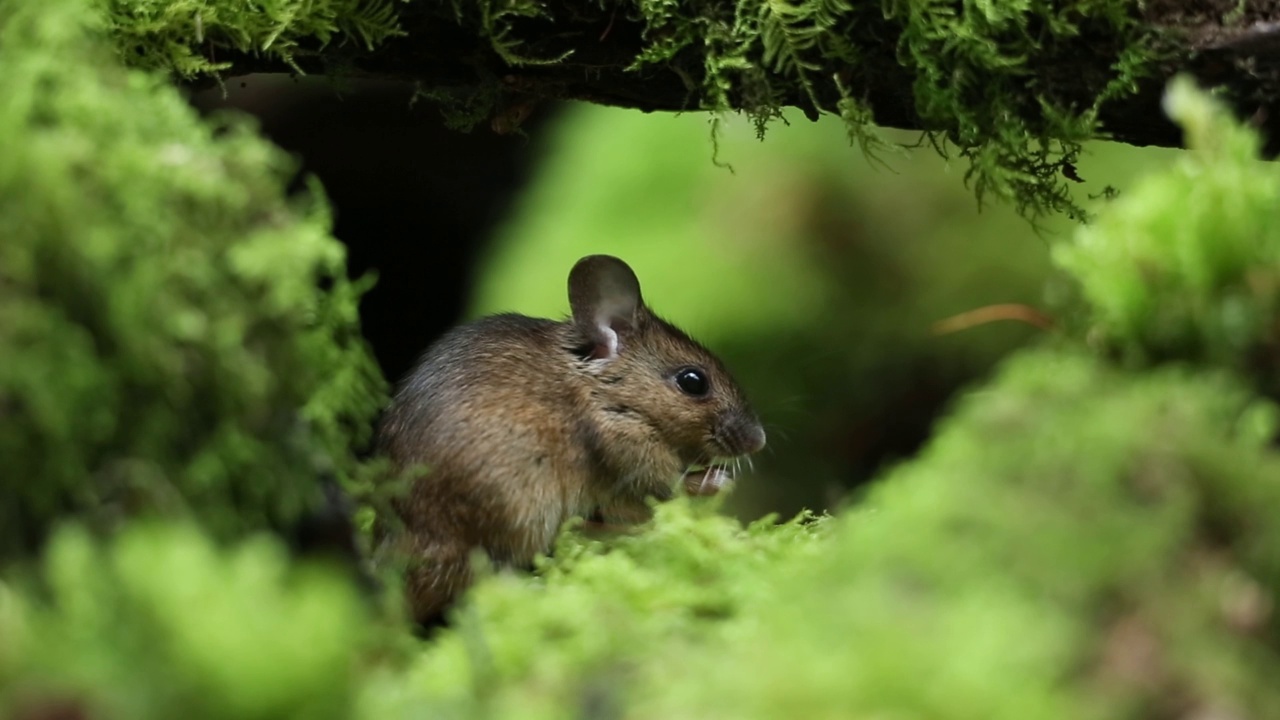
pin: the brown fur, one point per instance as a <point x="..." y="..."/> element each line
<point x="523" y="423"/>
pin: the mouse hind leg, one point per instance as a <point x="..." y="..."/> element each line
<point x="437" y="572"/>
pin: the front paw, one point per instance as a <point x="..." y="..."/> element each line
<point x="708" y="481"/>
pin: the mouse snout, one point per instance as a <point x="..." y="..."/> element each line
<point x="742" y="434"/>
<point x="755" y="438"/>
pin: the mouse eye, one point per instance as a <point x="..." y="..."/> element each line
<point x="692" y="381"/>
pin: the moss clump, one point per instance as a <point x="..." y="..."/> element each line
<point x="599" y="621"/>
<point x="988" y="79"/>
<point x="1188" y="267"/>
<point x="165" y="344"/>
<point x="983" y="76"/>
<point x="160" y="624"/>
<point x="1076" y="543"/>
<point x="176" y="35"/>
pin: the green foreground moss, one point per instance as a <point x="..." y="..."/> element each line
<point x="1201" y="283"/>
<point x="162" y="624"/>
<point x="164" y="342"/>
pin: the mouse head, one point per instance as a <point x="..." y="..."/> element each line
<point x="650" y="375"/>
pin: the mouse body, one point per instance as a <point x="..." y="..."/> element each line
<point x="521" y="423"/>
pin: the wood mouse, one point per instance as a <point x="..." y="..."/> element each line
<point x="521" y="423"/>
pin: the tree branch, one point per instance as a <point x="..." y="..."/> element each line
<point x="1015" y="90"/>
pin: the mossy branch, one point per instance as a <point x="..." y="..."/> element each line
<point x="1013" y="87"/>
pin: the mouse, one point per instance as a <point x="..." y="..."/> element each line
<point x="510" y="425"/>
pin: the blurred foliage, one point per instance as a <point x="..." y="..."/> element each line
<point x="165" y="341"/>
<point x="1201" y="283"/>
<point x="161" y="624"/>
<point x="1077" y="542"/>
<point x="598" y="620"/>
<point x="818" y="279"/>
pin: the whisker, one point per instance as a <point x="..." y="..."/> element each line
<point x="683" y="488"/>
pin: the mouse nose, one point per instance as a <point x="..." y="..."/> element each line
<point x="755" y="438"/>
<point x="744" y="433"/>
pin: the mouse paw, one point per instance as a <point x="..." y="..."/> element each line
<point x="707" y="481"/>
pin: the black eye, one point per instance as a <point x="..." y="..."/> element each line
<point x="692" y="381"/>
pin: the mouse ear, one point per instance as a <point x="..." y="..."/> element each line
<point x="604" y="295"/>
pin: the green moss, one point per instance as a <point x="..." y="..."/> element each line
<point x="161" y="624"/>
<point x="461" y="108"/>
<point x="597" y="619"/>
<point x="987" y="78"/>
<point x="1066" y="516"/>
<point x="983" y="75"/>
<point x="497" y="22"/>
<point x="181" y="36"/>
<point x="1187" y="265"/>
<point x="165" y="344"/>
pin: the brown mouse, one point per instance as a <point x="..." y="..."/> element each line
<point x="522" y="423"/>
